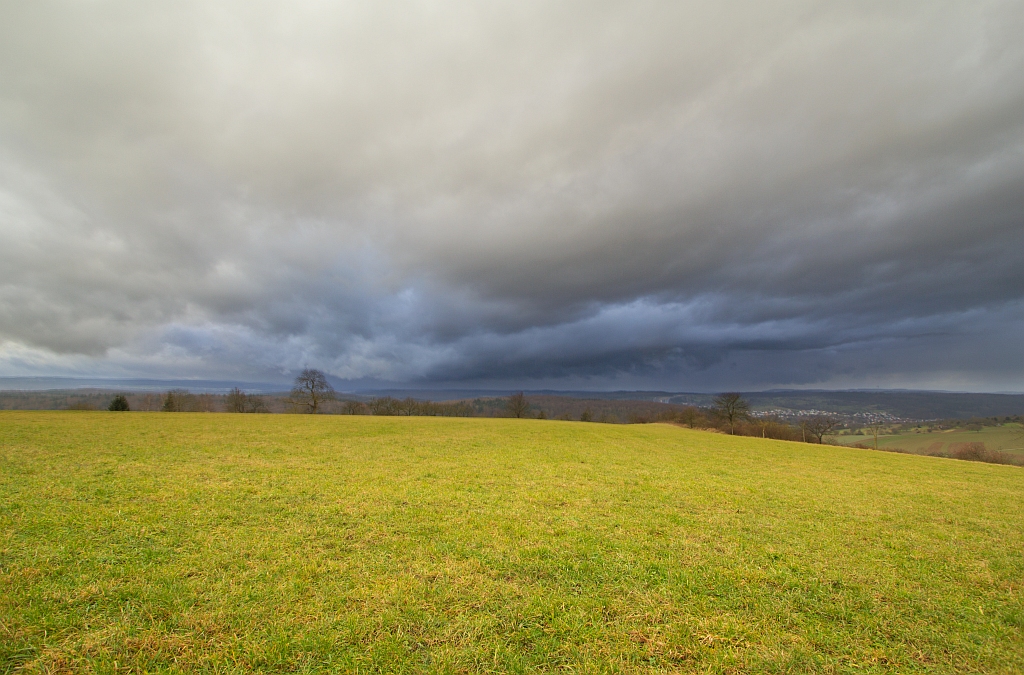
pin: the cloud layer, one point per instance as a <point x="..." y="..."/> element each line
<point x="528" y="193"/>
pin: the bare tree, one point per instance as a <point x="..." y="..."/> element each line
<point x="385" y="405"/>
<point x="352" y="407"/>
<point x="409" y="406"/>
<point x="236" y="401"/>
<point x="730" y="408"/>
<point x="875" y="428"/>
<point x="691" y="416"/>
<point x="180" y="400"/>
<point x="517" y="405"/>
<point x="256" y="404"/>
<point x="150" y="402"/>
<point x="820" y="425"/>
<point x="311" y="391"/>
<point x="205" y="403"/>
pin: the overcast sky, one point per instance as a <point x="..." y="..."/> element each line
<point x="683" y="196"/>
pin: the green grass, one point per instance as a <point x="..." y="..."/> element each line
<point x="1009" y="437"/>
<point x="150" y="542"/>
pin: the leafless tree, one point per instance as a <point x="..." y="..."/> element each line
<point x="205" y="403"/>
<point x="352" y="407"/>
<point x="730" y="408"/>
<point x="385" y="405"/>
<point x="235" y="401"/>
<point x="690" y="416"/>
<point x="409" y="406"/>
<point x="311" y="391"/>
<point x="820" y="425"/>
<point x="149" y="402"/>
<point x="517" y="405"/>
<point x="875" y="428"/>
<point x="180" y="400"/>
<point x="256" y="404"/>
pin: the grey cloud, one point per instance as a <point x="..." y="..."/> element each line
<point x="517" y="192"/>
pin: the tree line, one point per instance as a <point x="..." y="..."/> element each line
<point x="312" y="393"/>
<point x="731" y="413"/>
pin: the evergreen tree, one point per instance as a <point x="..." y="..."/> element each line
<point x="119" y="403"/>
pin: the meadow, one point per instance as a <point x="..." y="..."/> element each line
<point x="1006" y="437"/>
<point x="153" y="542"/>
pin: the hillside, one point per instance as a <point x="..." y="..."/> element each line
<point x="1009" y="438"/>
<point x="911" y="405"/>
<point x="282" y="542"/>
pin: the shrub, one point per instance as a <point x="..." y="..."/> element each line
<point x="766" y="427"/>
<point x="970" y="451"/>
<point x="977" y="452"/>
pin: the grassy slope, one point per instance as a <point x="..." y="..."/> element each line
<point x="1008" y="438"/>
<point x="238" y="543"/>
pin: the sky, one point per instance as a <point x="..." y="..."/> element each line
<point x="684" y="196"/>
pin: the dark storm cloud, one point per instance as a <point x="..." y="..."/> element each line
<point x="589" y="193"/>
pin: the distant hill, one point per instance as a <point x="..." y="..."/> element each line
<point x="52" y="384"/>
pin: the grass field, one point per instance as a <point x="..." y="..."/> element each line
<point x="148" y="542"/>
<point x="1009" y="438"/>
